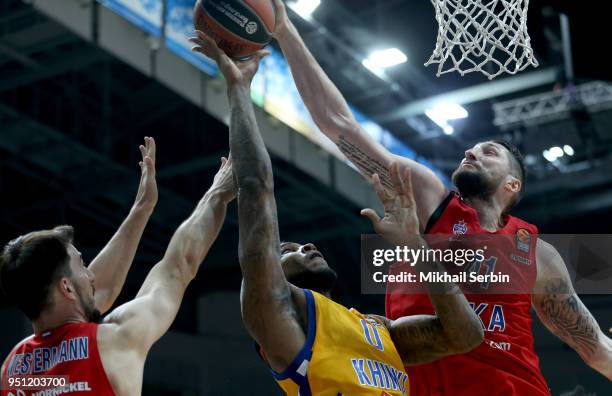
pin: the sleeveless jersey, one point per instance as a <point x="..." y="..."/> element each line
<point x="505" y="364"/>
<point x="70" y="350"/>
<point x="345" y="353"/>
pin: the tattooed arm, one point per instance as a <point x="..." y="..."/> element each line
<point x="562" y="312"/>
<point x="273" y="310"/>
<point x="331" y="113"/>
<point x="455" y="328"/>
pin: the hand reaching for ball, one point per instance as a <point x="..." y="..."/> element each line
<point x="235" y="72"/>
<point x="281" y="20"/>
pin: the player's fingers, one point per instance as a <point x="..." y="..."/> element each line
<point x="148" y="161"/>
<point x="399" y="180"/>
<point x="379" y="189"/>
<point x="152" y="148"/>
<point x="372" y="215"/>
<point x="259" y="55"/>
<point x="395" y="178"/>
<point x="408" y="194"/>
<point x="206" y="45"/>
<point x="143" y="150"/>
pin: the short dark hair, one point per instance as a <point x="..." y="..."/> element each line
<point x="517" y="167"/>
<point x="30" y="264"/>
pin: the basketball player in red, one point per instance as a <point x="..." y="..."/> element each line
<point x="489" y="181"/>
<point x="44" y="275"/>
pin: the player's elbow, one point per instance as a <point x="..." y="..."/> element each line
<point x="470" y="338"/>
<point x="334" y="124"/>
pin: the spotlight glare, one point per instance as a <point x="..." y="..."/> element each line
<point x="383" y="59"/>
<point x="569" y="150"/>
<point x="443" y="112"/>
<point x="549" y="156"/>
<point x="556" y="151"/>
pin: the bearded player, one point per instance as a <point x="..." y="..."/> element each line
<point x="489" y="182"/>
<point x="312" y="344"/>
<point x="44" y="275"/>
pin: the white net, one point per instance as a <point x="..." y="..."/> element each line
<point x="487" y="36"/>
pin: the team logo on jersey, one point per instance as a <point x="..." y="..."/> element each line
<point x="523" y="240"/>
<point x="460" y="228"/>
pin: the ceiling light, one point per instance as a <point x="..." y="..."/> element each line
<point x="304" y="8"/>
<point x="556" y="151"/>
<point x="569" y="150"/>
<point x="549" y="156"/>
<point x="377" y="61"/>
<point x="386" y="58"/>
<point x="444" y="112"/>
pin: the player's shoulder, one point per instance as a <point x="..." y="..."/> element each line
<point x="549" y="261"/>
<point x="546" y="252"/>
<point x="6" y="359"/>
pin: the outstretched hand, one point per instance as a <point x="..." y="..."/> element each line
<point x="146" y="197"/>
<point x="281" y="23"/>
<point x="235" y="72"/>
<point x="224" y="182"/>
<point x="400" y="221"/>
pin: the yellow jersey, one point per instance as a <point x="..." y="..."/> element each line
<point x="345" y="353"/>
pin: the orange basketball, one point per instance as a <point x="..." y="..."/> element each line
<point x="239" y="27"/>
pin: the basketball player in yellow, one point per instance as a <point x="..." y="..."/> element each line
<point x="313" y="345"/>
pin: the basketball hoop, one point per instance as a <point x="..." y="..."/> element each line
<point x="487" y="36"/>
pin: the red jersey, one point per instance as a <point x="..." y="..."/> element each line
<point x="70" y="350"/>
<point x="505" y="364"/>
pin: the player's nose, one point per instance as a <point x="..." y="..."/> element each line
<point x="470" y="155"/>
<point x="308" y="247"/>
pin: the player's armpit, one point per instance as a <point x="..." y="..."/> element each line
<point x="564" y="314"/>
<point x="421" y="339"/>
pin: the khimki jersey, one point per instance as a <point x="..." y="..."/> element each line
<point x="70" y="350"/>
<point x="505" y="364"/>
<point x="345" y="353"/>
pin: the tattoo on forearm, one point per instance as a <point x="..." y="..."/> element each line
<point x="366" y="164"/>
<point x="419" y="334"/>
<point x="569" y="318"/>
<point x="420" y="343"/>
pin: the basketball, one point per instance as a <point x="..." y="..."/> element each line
<point x="238" y="27"/>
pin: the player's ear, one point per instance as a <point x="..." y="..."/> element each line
<point x="513" y="184"/>
<point x="66" y="288"/>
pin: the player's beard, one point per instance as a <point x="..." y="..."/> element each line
<point x="474" y="184"/>
<point x="92" y="314"/>
<point x="322" y="280"/>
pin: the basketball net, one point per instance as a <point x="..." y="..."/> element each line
<point x="487" y="36"/>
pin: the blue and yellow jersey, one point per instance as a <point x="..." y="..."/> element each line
<point x="345" y="353"/>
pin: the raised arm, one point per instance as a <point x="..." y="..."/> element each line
<point x="333" y="116"/>
<point x="562" y="312"/>
<point x="455" y="328"/>
<point x="272" y="309"/>
<point x="113" y="262"/>
<point x="141" y="322"/>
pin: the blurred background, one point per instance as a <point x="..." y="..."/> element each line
<point x="83" y="81"/>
